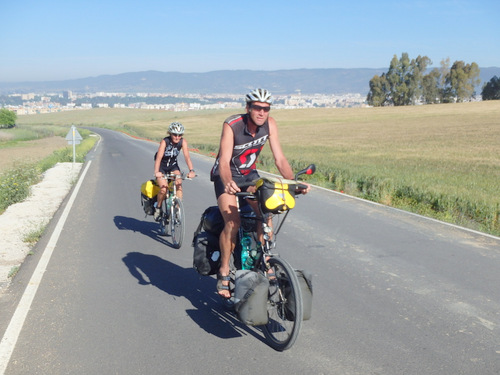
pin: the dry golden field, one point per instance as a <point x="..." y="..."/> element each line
<point x="440" y="160"/>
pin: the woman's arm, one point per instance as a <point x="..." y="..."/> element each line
<point x="187" y="158"/>
<point x="159" y="156"/>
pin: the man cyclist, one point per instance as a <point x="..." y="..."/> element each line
<point x="243" y="137"/>
<point x="166" y="162"/>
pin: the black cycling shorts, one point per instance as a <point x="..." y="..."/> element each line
<point x="219" y="185"/>
<point x="172" y="168"/>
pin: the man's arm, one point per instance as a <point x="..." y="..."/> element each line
<point x="279" y="158"/>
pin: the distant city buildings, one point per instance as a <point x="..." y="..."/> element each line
<point x="27" y="104"/>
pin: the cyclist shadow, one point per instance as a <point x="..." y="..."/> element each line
<point x="147" y="228"/>
<point x="209" y="313"/>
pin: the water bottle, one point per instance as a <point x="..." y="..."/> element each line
<point x="246" y="259"/>
<point x="251" y="259"/>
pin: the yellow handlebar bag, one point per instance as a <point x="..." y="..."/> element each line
<point x="276" y="195"/>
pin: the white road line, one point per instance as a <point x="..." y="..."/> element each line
<point x="13" y="331"/>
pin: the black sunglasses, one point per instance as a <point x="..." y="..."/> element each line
<point x="258" y="108"/>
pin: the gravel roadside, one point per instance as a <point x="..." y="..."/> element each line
<point x="28" y="217"/>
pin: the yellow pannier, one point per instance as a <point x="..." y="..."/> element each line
<point x="150" y="189"/>
<point x="276" y="195"/>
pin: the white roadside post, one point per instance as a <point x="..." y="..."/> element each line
<point x="73" y="138"/>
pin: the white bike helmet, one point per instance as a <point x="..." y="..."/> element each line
<point x="176" y="128"/>
<point x="259" y="95"/>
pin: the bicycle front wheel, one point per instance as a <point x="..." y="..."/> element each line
<point x="177" y="222"/>
<point x="285" y="307"/>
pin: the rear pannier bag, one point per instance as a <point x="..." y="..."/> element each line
<point x="149" y="191"/>
<point x="148" y="204"/>
<point x="212" y="220"/>
<point x="251" y="290"/>
<point x="206" y="254"/>
<point x="305" y="281"/>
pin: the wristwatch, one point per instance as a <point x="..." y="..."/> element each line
<point x="191" y="170"/>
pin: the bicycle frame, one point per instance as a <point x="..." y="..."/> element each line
<point x="269" y="236"/>
<point x="173" y="211"/>
<point x="284" y="302"/>
<point x="268" y="243"/>
<point x="171" y="185"/>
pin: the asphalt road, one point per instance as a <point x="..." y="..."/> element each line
<point x="394" y="293"/>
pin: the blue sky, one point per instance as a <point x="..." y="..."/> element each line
<point x="58" y="40"/>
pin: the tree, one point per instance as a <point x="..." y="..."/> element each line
<point x="7" y="118"/>
<point x="431" y="92"/>
<point x="378" y="94"/>
<point x="461" y="81"/>
<point x="419" y="66"/>
<point x="402" y="85"/>
<point x="491" y="90"/>
<point x="398" y="78"/>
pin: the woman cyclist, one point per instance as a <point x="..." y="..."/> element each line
<point x="166" y="162"/>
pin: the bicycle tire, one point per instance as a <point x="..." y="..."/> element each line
<point x="164" y="220"/>
<point x="177" y="222"/>
<point x="283" y="326"/>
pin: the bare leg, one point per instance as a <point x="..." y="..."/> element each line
<point x="178" y="187"/>
<point x="162" y="183"/>
<point x="227" y="239"/>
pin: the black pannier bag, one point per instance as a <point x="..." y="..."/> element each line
<point x="206" y="254"/>
<point x="212" y="220"/>
<point x="148" y="204"/>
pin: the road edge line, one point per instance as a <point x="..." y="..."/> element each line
<point x="16" y="323"/>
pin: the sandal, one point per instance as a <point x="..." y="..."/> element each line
<point x="221" y="287"/>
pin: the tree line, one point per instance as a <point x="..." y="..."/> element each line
<point x="409" y="82"/>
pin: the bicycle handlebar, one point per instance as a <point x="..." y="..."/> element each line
<point x="174" y="176"/>
<point x="250" y="195"/>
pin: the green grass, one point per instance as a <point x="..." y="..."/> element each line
<point x="13" y="271"/>
<point x="13" y="136"/>
<point x="34" y="235"/>
<point x="15" y="183"/>
<point x="442" y="161"/>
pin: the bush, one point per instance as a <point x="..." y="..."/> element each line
<point x="7" y="118"/>
<point x="15" y="184"/>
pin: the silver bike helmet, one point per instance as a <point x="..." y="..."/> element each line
<point x="259" y="95"/>
<point x="176" y="128"/>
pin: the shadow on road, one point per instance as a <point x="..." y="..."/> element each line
<point x="209" y="313"/>
<point x="147" y="228"/>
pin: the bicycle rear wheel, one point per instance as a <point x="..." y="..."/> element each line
<point x="177" y="222"/>
<point x="285" y="306"/>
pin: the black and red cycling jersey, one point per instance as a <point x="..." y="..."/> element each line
<point x="246" y="147"/>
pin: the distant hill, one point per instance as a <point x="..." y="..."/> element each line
<point x="324" y="81"/>
<point x="279" y="82"/>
